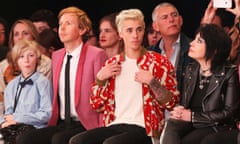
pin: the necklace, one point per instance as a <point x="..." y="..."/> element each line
<point x="203" y="80"/>
<point x="204" y="71"/>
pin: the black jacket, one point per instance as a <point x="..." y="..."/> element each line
<point x="222" y="100"/>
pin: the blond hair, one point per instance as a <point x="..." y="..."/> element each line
<point x="83" y="19"/>
<point x="23" y="45"/>
<point x="134" y="14"/>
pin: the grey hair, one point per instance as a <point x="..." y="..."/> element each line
<point x="164" y="4"/>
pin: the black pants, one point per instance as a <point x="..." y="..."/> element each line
<point x="225" y="137"/>
<point x="115" y="134"/>
<point x="59" y="134"/>
<point x="180" y="132"/>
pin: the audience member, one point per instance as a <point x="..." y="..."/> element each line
<point x="72" y="112"/>
<point x="225" y="18"/>
<point x="173" y="43"/>
<point x="151" y="37"/>
<point x="21" y="29"/>
<point x="4" y="31"/>
<point x="220" y="17"/>
<point x="50" y="41"/>
<point x="44" y="19"/>
<point x="91" y="39"/>
<point x="109" y="38"/>
<point x="210" y="96"/>
<point x="235" y="34"/>
<point x="131" y="90"/>
<point x="28" y="97"/>
<point x="3" y="52"/>
<point x="232" y="136"/>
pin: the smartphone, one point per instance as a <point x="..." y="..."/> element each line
<point x="222" y="3"/>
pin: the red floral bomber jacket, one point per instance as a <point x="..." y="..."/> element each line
<point x="102" y="97"/>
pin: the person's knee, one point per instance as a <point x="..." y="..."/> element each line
<point x="59" y="138"/>
<point x="111" y="141"/>
<point x="75" y="140"/>
<point x="209" y="140"/>
<point x="25" y="138"/>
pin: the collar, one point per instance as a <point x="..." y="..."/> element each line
<point x="76" y="52"/>
<point x="161" y="43"/>
<point x="32" y="76"/>
<point x="142" y="53"/>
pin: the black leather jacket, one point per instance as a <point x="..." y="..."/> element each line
<point x="222" y="100"/>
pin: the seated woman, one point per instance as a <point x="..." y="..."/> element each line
<point x="27" y="97"/>
<point x="210" y="96"/>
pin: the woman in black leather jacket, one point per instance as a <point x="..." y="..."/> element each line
<point x="210" y="99"/>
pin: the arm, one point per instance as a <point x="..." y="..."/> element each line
<point x="209" y="14"/>
<point x="236" y="10"/>
<point x="235" y="30"/>
<point x="102" y="86"/>
<point x="161" y="93"/>
<point x="161" y="81"/>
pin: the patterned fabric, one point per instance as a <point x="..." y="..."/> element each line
<point x="102" y="98"/>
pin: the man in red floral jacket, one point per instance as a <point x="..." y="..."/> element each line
<point x="132" y="89"/>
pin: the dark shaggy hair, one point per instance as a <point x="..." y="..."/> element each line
<point x="218" y="44"/>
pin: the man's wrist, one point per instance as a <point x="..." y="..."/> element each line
<point x="100" y="82"/>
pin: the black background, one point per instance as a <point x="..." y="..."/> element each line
<point x="191" y="10"/>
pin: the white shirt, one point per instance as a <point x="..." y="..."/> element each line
<point x="128" y="96"/>
<point x="176" y="50"/>
<point x="73" y="72"/>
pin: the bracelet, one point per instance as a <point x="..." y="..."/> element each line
<point x="100" y="82"/>
<point x="192" y="117"/>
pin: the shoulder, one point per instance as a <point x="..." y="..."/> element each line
<point x="157" y="57"/>
<point x="3" y="64"/>
<point x="91" y="48"/>
<point x="230" y="68"/>
<point x="96" y="53"/>
<point x="184" y="42"/>
<point x="58" y="52"/>
<point x="13" y="82"/>
<point x="192" y="66"/>
<point x="45" y="58"/>
<point x="185" y="38"/>
<point x="40" y="78"/>
<point x="115" y="59"/>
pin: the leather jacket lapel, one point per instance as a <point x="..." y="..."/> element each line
<point x="215" y="81"/>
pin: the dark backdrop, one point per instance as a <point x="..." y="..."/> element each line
<point x="191" y="10"/>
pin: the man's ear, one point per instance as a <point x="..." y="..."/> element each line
<point x="155" y="26"/>
<point x="82" y="31"/>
